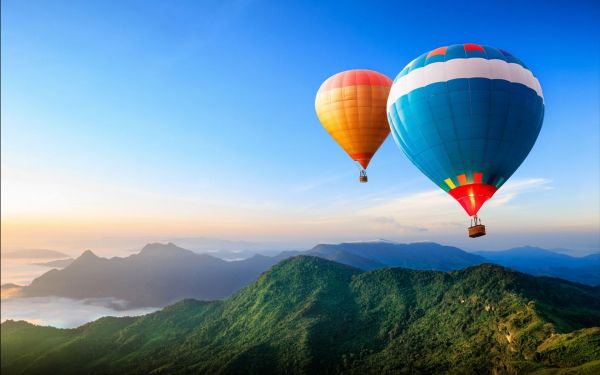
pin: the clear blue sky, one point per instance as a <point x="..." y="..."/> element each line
<point x="197" y="118"/>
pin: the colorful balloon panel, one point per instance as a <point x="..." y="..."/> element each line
<point x="467" y="116"/>
<point x="352" y="107"/>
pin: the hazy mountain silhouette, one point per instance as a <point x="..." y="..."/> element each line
<point x="543" y="262"/>
<point x="34" y="253"/>
<point x="160" y="274"/>
<point x="312" y="316"/>
<point x="419" y="255"/>
<point x="10" y="286"/>
<point x="59" y="263"/>
<point x="228" y="249"/>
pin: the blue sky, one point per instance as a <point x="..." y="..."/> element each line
<point x="169" y="118"/>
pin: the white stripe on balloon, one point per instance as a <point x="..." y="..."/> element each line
<point x="474" y="67"/>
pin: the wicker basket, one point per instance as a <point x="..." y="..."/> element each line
<point x="477" y="231"/>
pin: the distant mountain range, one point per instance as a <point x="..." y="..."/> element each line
<point x="378" y="254"/>
<point x="58" y="263"/>
<point x="10" y="290"/>
<point x="543" y="262"/>
<point x="165" y="273"/>
<point x="34" y="254"/>
<point x="228" y="249"/>
<point x="433" y="256"/>
<point x="313" y="316"/>
<point x="158" y="275"/>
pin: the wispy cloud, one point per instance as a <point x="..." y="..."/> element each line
<point x="430" y="201"/>
<point x="414" y="202"/>
<point x="433" y="210"/>
<point x="512" y="189"/>
<point x="391" y="224"/>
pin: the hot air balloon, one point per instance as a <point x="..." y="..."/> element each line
<point x="351" y="107"/>
<point x="466" y="115"/>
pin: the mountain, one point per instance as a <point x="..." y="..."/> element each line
<point x="59" y="263"/>
<point x="34" y="253"/>
<point x="165" y="273"/>
<point x="419" y="255"/>
<point x="341" y="256"/>
<point x="162" y="274"/>
<point x="10" y="286"/>
<point x="312" y="316"/>
<point x="157" y="276"/>
<point x="543" y="262"/>
<point x="228" y="249"/>
<point x="10" y="290"/>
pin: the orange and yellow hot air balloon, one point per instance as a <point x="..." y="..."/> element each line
<point x="351" y="105"/>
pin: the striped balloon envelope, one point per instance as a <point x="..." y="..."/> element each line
<point x="351" y="107"/>
<point x="466" y="115"/>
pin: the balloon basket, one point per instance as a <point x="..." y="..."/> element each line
<point x="363" y="176"/>
<point x="477" y="231"/>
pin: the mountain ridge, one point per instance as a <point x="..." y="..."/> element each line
<point x="543" y="262"/>
<point x="34" y="254"/>
<point x="158" y="275"/>
<point x="416" y="255"/>
<point x="161" y="274"/>
<point x="308" y="315"/>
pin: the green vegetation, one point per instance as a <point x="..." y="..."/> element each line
<point x="308" y="315"/>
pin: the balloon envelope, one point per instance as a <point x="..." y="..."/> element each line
<point x="466" y="115"/>
<point x="351" y="107"/>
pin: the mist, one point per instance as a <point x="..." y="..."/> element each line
<point x="65" y="312"/>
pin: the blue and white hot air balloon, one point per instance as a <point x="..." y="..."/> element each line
<point x="466" y="115"/>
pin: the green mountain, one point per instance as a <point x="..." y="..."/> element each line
<point x="308" y="315"/>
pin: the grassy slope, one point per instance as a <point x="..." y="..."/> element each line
<point x="309" y="315"/>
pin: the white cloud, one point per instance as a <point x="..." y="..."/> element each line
<point x="389" y="223"/>
<point x="413" y="203"/>
<point x="65" y="312"/>
<point x="432" y="210"/>
<point x="512" y="189"/>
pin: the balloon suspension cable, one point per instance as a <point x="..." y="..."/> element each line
<point x="362" y="177"/>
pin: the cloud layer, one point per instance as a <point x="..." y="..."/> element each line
<point x="64" y="312"/>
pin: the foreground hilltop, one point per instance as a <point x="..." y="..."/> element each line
<point x="308" y="315"/>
